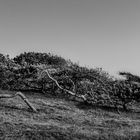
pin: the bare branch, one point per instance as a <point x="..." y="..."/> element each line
<point x="68" y="91"/>
<point x="22" y="97"/>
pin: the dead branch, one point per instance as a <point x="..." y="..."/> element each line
<point x="83" y="97"/>
<point x="74" y="88"/>
<point x="22" y="97"/>
<point x="68" y="91"/>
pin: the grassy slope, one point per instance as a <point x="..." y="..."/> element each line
<point x="58" y="119"/>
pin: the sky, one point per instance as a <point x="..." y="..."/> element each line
<point x="93" y="33"/>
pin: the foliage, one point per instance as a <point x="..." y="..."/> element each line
<point x="130" y="77"/>
<point x="32" y="58"/>
<point x="98" y="87"/>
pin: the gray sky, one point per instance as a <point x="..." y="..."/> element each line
<point x="95" y="33"/>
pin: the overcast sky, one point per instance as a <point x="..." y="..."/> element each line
<point x="95" y="33"/>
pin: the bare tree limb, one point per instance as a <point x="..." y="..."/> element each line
<point x="68" y="91"/>
<point x="83" y="97"/>
<point x="22" y="97"/>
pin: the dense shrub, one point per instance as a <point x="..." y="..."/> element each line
<point x="99" y="88"/>
<point x="124" y="92"/>
<point x="32" y="58"/>
<point x="130" y="77"/>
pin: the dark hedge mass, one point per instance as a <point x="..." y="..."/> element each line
<point x="23" y="73"/>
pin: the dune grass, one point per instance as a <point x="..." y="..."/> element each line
<point x="59" y="119"/>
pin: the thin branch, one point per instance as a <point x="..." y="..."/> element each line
<point x="68" y="91"/>
<point x="74" y="87"/>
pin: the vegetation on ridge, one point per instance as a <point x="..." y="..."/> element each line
<point x="92" y="116"/>
<point x="96" y="86"/>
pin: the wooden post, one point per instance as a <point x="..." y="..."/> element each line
<point x="22" y="97"/>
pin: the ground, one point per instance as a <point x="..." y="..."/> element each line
<point x="60" y="119"/>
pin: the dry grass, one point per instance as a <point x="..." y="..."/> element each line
<point x="58" y="119"/>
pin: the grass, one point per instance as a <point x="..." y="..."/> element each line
<point x="59" y="119"/>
